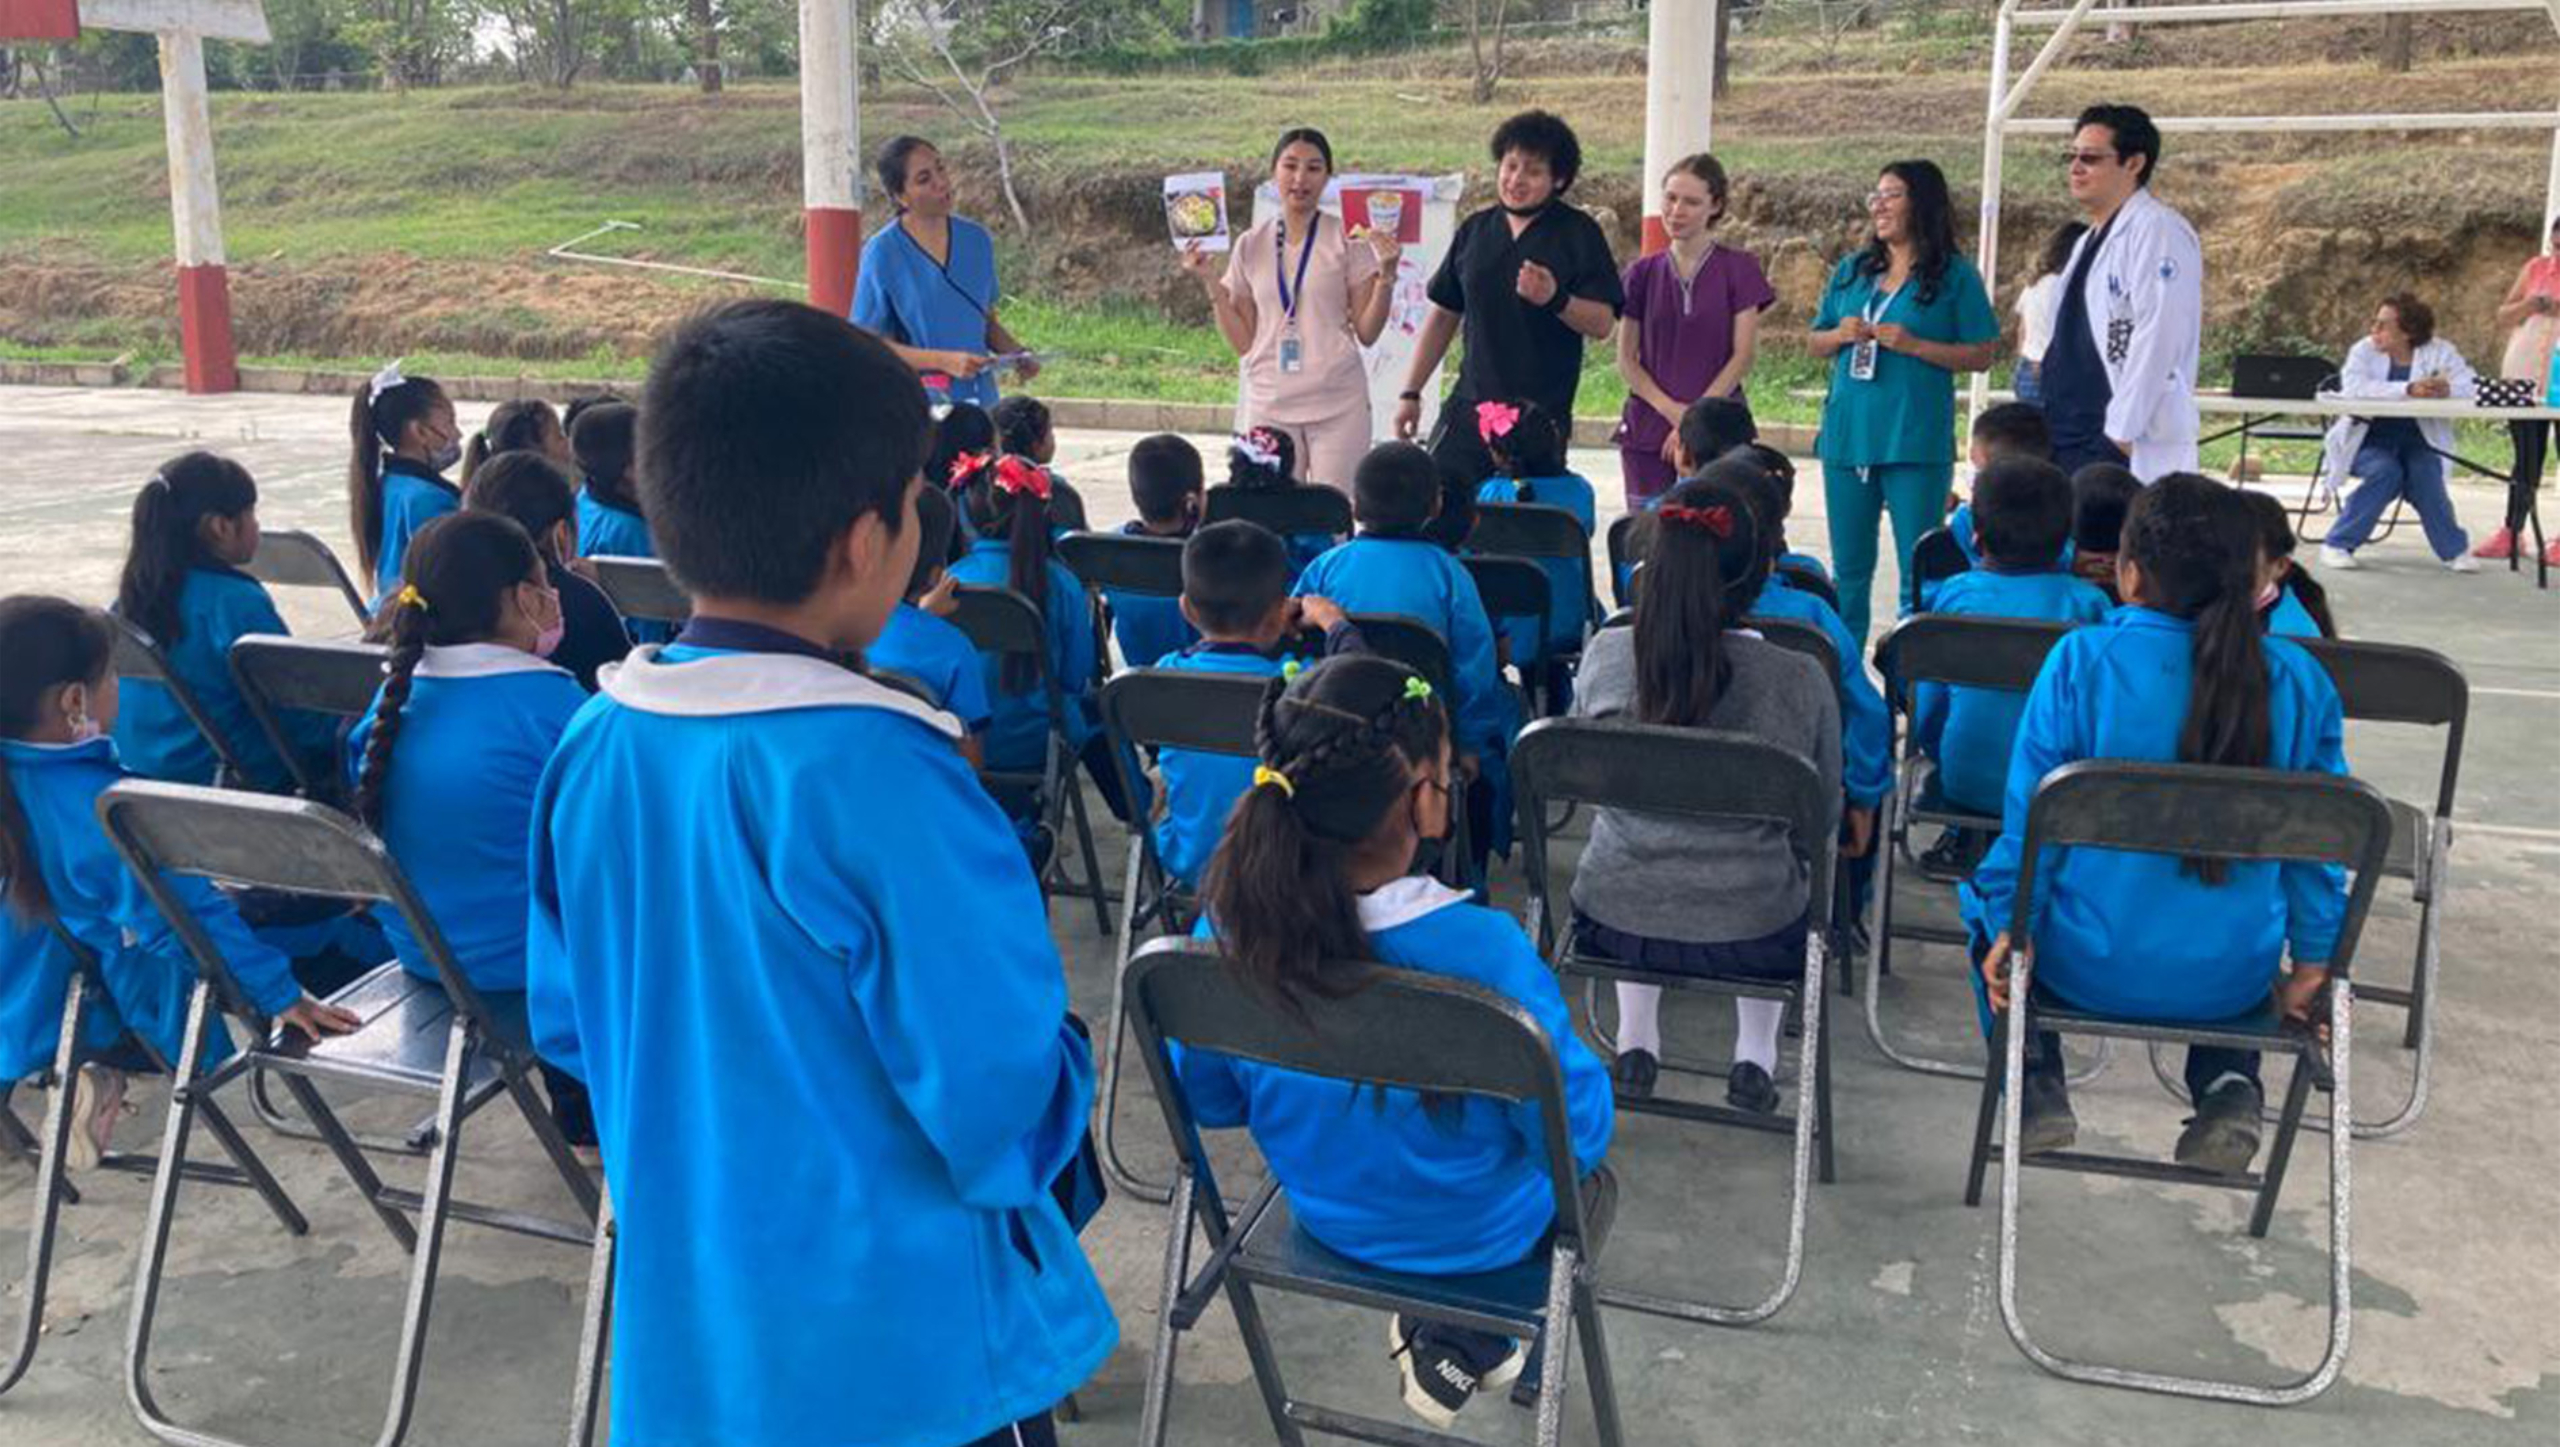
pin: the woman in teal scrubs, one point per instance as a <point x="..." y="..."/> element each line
<point x="1899" y="320"/>
<point x="927" y="281"/>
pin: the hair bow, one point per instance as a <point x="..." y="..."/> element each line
<point x="1265" y="774"/>
<point x="1021" y="476"/>
<point x="410" y="597"/>
<point x="966" y="465"/>
<point x="1496" y="419"/>
<point x="386" y="380"/>
<point x="1259" y="446"/>
<point x="1717" y="519"/>
<point x="1417" y="688"/>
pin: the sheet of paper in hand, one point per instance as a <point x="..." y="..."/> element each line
<point x="1195" y="209"/>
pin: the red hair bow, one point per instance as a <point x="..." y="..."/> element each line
<point x="1496" y="419"/>
<point x="965" y="466"/>
<point x="1021" y="475"/>
<point x="1717" y="520"/>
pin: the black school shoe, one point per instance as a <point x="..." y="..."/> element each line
<point x="1749" y="1088"/>
<point x="2045" y="1121"/>
<point x="1634" y="1072"/>
<point x="1441" y="1374"/>
<point x="1955" y="854"/>
<point x="2222" y="1136"/>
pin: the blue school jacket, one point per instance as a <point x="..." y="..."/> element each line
<point x="1144" y="625"/>
<point x="146" y="973"/>
<point x="1866" y="734"/>
<point x="611" y="531"/>
<point x="2287" y="618"/>
<point x="1380" y="1180"/>
<point x="934" y="653"/>
<point x="2129" y="934"/>
<point x="827" y="1036"/>
<point x="1570" y="607"/>
<point x="1421" y="581"/>
<point x="481" y="721"/>
<point x="1970" y="731"/>
<point x="412" y="497"/>
<point x="1808" y="562"/>
<point x="154" y="736"/>
<point x="1201" y="788"/>
<point x="1021" y="720"/>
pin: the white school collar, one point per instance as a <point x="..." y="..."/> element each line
<point x="481" y="660"/>
<point x="1402" y="901"/>
<point x="728" y="684"/>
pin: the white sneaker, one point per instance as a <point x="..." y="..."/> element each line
<point x="2338" y="558"/>
<point x="2462" y="563"/>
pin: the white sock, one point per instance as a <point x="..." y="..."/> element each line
<point x="1640" y="1018"/>
<point x="1755" y="1031"/>
<point x="2226" y="1078"/>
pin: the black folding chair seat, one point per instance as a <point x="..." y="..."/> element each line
<point x="1281" y="1253"/>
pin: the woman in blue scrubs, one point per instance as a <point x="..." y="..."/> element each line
<point x="927" y="281"/>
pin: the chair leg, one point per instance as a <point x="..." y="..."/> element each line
<point x="153" y="1258"/>
<point x="1817" y="1044"/>
<point x="595" y="1334"/>
<point x="1985" y="1112"/>
<point x="351" y="1159"/>
<point x="1563" y="1266"/>
<point x="1068" y="781"/>
<point x="51" y="1146"/>
<point x="1266" y="1362"/>
<point x="269" y="1189"/>
<point x="1115" y="1042"/>
<point x="410" y="1360"/>
<point x="1595" y="1367"/>
<point x="546" y="1132"/>
<point x="2297" y="1094"/>
<point x="1178" y="1231"/>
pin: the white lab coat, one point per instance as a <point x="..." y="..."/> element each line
<point x="2145" y="300"/>
<point x="2367" y="373"/>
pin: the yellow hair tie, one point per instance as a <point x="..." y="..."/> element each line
<point x="410" y="597"/>
<point x="1265" y="774"/>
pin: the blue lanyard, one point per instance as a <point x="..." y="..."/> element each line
<point x="1280" y="264"/>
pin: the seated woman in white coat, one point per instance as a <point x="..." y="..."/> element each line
<point x="2397" y="457"/>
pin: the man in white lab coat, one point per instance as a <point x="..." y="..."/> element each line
<point x="2120" y="374"/>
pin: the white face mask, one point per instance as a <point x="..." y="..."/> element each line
<point x="2268" y="595"/>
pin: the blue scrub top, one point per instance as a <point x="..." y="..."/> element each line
<point x="1907" y="412"/>
<point x="905" y="295"/>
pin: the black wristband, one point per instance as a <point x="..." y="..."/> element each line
<point x="1408" y="396"/>
<point x="1556" y="304"/>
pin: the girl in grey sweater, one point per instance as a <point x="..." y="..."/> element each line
<point x="1682" y="895"/>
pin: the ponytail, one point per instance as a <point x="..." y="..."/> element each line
<point x="1524" y="438"/>
<point x="166" y="513"/>
<point x="384" y="407"/>
<point x="2276" y="542"/>
<point x="454" y="582"/>
<point x="1704" y="566"/>
<point x="522" y="426"/>
<point x="44" y="644"/>
<point x="1022" y="424"/>
<point x="2314" y="599"/>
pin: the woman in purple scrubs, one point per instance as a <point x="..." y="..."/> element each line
<point x="1691" y="321"/>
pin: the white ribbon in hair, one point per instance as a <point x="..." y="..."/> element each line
<point x="386" y="380"/>
<point x="1253" y="449"/>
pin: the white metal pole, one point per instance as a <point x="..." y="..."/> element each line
<point x="1679" y="97"/>
<point x="1994" y="145"/>
<point x="830" y="151"/>
<point x="195" y="213"/>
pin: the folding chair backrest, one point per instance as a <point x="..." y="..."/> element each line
<point x="1184" y="708"/>
<point x="292" y="558"/>
<point x="2400" y="683"/>
<point x="1288" y="511"/>
<point x="1936" y="556"/>
<point x="1529" y="530"/>
<point x="1002" y="621"/>
<point x="1125" y="563"/>
<point x="1621" y="539"/>
<point x="277" y="673"/>
<point x="1797" y="636"/>
<point x="1809" y="580"/>
<point x="1511" y="587"/>
<point x="2001" y="653"/>
<point x="1413" y="643"/>
<point x="138" y="656"/>
<point x="2208" y="812"/>
<point x="641" y="588"/>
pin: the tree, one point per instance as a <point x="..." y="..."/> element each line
<point x="409" y="39"/>
<point x="1488" y="27"/>
<point x="706" y="45"/>
<point x="2398" y="43"/>
<point x="552" y="39"/>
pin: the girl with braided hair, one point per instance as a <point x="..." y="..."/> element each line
<point x="1317" y="869"/>
<point x="404" y="437"/>
<point x="445" y="763"/>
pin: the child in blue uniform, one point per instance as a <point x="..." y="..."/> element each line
<point x="2290" y="601"/>
<point x="2100" y="495"/>
<point x="1235" y="590"/>
<point x="1166" y="484"/>
<point x="2181" y="673"/>
<point x="833" y="1067"/>
<point x="195" y="526"/>
<point x="1023" y="429"/>
<point x="609" y="517"/>
<point x="528" y="425"/>
<point x="2004" y="429"/>
<point x="445" y="762"/>
<point x="1702" y="897"/>
<point x="404" y="440"/>
<point x="1527" y="443"/>
<point x="1712" y="429"/>
<point x="1316" y="869"/>
<point x="2022" y="509"/>
<point x="1782" y="471"/>
<point x="919" y="643"/>
<point x="57" y="702"/>
<point x="1390" y="568"/>
<point x="535" y="492"/>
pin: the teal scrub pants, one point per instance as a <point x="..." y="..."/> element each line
<point x="1856" y="499"/>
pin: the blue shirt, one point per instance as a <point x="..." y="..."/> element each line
<point x="146" y="973"/>
<point x="606" y="530"/>
<point x="1905" y="413"/>
<point x="1419" y="580"/>
<point x="480" y="722"/>
<point x="1372" y="1174"/>
<point x="1019" y="722"/>
<point x="1568" y="583"/>
<point x="827" y="1036"/>
<point x="1866" y="732"/>
<point x="1971" y="731"/>
<point x="934" y="653"/>
<point x="154" y="736"/>
<point x="1201" y="788"/>
<point x="2287" y="618"/>
<point x="412" y="497"/>
<point x="2129" y="934"/>
<point x="904" y="294"/>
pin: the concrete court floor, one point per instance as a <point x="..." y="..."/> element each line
<point x="1894" y="1336"/>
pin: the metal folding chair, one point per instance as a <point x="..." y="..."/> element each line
<point x="1703" y="774"/>
<point x="1121" y="563"/>
<point x="1533" y="530"/>
<point x="641" y="588"/>
<point x="2400" y="684"/>
<point x="1481" y="1045"/>
<point x="1809" y="580"/>
<point x="1003" y="622"/>
<point x="1994" y="653"/>
<point x="292" y="558"/>
<point x="437" y="1038"/>
<point x="1797" y="636"/>
<point x="1936" y="557"/>
<point x="138" y="658"/>
<point x="276" y="673"/>
<point x="1292" y="512"/>
<point x="1150" y="709"/>
<point x="1515" y="588"/>
<point x="2194" y="811"/>
<point x="1621" y="557"/>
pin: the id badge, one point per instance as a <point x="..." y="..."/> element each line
<point x="1862" y="361"/>
<point x="1292" y="355"/>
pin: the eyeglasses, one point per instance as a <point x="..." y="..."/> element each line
<point x="1886" y="198"/>
<point x="2090" y="159"/>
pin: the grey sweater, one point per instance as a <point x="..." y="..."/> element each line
<point x="1682" y="879"/>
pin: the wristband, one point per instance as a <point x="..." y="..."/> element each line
<point x="1408" y="396"/>
<point x="1556" y="304"/>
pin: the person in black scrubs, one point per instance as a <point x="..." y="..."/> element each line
<point x="1529" y="279"/>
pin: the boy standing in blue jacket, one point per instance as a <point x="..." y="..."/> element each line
<point x="823" y="1022"/>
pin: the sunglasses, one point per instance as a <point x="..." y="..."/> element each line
<point x="2090" y="159"/>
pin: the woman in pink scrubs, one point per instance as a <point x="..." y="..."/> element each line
<point x="1298" y="300"/>
<point x="1691" y="320"/>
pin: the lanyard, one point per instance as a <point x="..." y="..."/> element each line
<point x="1280" y="267"/>
<point x="1877" y="305"/>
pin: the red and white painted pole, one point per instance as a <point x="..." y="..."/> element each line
<point x="831" y="150"/>
<point x="195" y="208"/>
<point x="1679" y="97"/>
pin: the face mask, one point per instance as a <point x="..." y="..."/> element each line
<point x="443" y="458"/>
<point x="546" y="638"/>
<point x="84" y="727"/>
<point x="2268" y="595"/>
